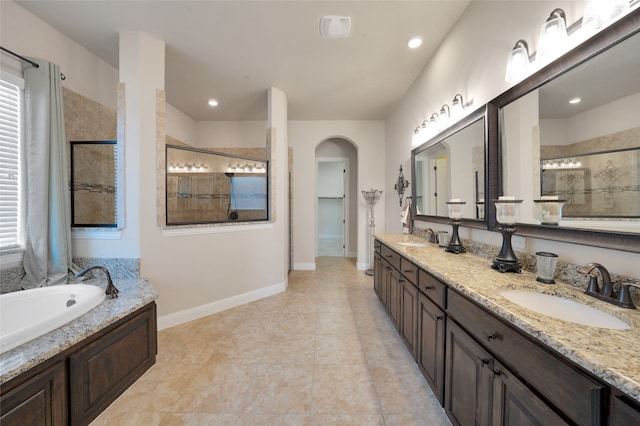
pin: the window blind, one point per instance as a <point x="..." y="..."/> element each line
<point x="11" y="118"/>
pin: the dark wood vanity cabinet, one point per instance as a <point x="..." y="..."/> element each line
<point x="483" y="370"/>
<point x="73" y="387"/>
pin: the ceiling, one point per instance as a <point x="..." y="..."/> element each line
<point x="234" y="50"/>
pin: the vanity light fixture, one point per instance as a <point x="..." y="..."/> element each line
<point x="443" y="118"/>
<point x="457" y="107"/>
<point x="213" y="102"/>
<point x="423" y="133"/>
<point x="455" y="214"/>
<point x="415" y="139"/>
<point x="507" y="217"/>
<point x="517" y="62"/>
<point x="553" y="34"/>
<point x="414" y="42"/>
<point x="598" y="13"/>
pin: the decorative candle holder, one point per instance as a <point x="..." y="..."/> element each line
<point x="372" y="198"/>
<point x="548" y="210"/>
<point x="507" y="217"/>
<point x="455" y="214"/>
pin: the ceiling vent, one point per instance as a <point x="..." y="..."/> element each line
<point x="335" y="26"/>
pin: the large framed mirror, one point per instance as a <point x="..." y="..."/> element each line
<point x="453" y="165"/>
<point x="572" y="132"/>
<point x="93" y="184"/>
<point x="209" y="187"/>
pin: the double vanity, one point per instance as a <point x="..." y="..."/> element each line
<point x="492" y="361"/>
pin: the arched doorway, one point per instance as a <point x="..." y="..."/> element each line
<point x="336" y="205"/>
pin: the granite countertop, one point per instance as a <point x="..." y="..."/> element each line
<point x="133" y="295"/>
<point x="611" y="355"/>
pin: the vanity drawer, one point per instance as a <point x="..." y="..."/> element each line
<point x="376" y="246"/>
<point x="432" y="288"/>
<point x="573" y="393"/>
<point x="390" y="256"/>
<point x="409" y="270"/>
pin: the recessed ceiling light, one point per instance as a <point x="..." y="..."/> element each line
<point x="213" y="102"/>
<point x="575" y="100"/>
<point x="414" y="42"/>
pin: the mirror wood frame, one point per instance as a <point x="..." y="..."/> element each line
<point x="488" y="115"/>
<point x="621" y="30"/>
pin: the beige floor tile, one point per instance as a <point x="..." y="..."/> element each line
<point x="343" y="389"/>
<point x="217" y="388"/>
<point x="280" y="389"/>
<point x="199" y="419"/>
<point x="348" y="420"/>
<point x="336" y="323"/>
<point x="290" y="349"/>
<point x="338" y="349"/>
<point x="324" y="352"/>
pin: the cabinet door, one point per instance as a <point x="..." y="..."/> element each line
<point x="394" y="297"/>
<point x="378" y="273"/>
<point x="514" y="404"/>
<point x="469" y="379"/>
<point x="431" y="340"/>
<point x="623" y="413"/>
<point x="409" y="310"/>
<point x="104" y="369"/>
<point x="42" y="400"/>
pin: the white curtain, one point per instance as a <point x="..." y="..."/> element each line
<point x="47" y="257"/>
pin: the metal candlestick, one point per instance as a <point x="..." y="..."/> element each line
<point x="372" y="198"/>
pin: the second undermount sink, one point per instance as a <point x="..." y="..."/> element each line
<point x="564" y="309"/>
<point x="412" y="244"/>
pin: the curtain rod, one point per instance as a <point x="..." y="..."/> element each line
<point x="34" y="64"/>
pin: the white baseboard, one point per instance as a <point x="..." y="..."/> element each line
<point x="362" y="266"/>
<point x="177" y="318"/>
<point x="304" y="266"/>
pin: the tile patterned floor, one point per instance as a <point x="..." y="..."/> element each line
<point x="323" y="352"/>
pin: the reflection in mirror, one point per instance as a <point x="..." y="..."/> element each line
<point x="578" y="137"/>
<point x="452" y="168"/>
<point x="209" y="187"/>
<point x="93" y="184"/>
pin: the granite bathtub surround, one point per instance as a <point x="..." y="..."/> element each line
<point x="133" y="295"/>
<point x="608" y="354"/>
<point x="119" y="269"/>
<point x="565" y="272"/>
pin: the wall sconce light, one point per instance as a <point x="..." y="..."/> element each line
<point x="599" y="12"/>
<point x="443" y="118"/>
<point x="518" y="62"/>
<point x="553" y="34"/>
<point x="455" y="214"/>
<point x="507" y="217"/>
<point x="457" y="107"/>
<point x="401" y="185"/>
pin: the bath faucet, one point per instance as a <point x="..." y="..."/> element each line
<point x="592" y="288"/>
<point x="112" y="291"/>
<point x="432" y="236"/>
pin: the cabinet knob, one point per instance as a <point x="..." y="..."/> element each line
<point x="484" y="362"/>
<point x="490" y="336"/>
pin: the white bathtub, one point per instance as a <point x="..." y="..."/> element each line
<point x="25" y="315"/>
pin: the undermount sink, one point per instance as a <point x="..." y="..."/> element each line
<point x="564" y="309"/>
<point x="412" y="244"/>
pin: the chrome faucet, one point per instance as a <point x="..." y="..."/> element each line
<point x="112" y="291"/>
<point x="606" y="292"/>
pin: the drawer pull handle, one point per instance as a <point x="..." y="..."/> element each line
<point x="388" y="268"/>
<point x="429" y="287"/>
<point x="484" y="362"/>
<point x="408" y="271"/>
<point x="439" y="317"/>
<point x="491" y="336"/>
<point x="389" y="256"/>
